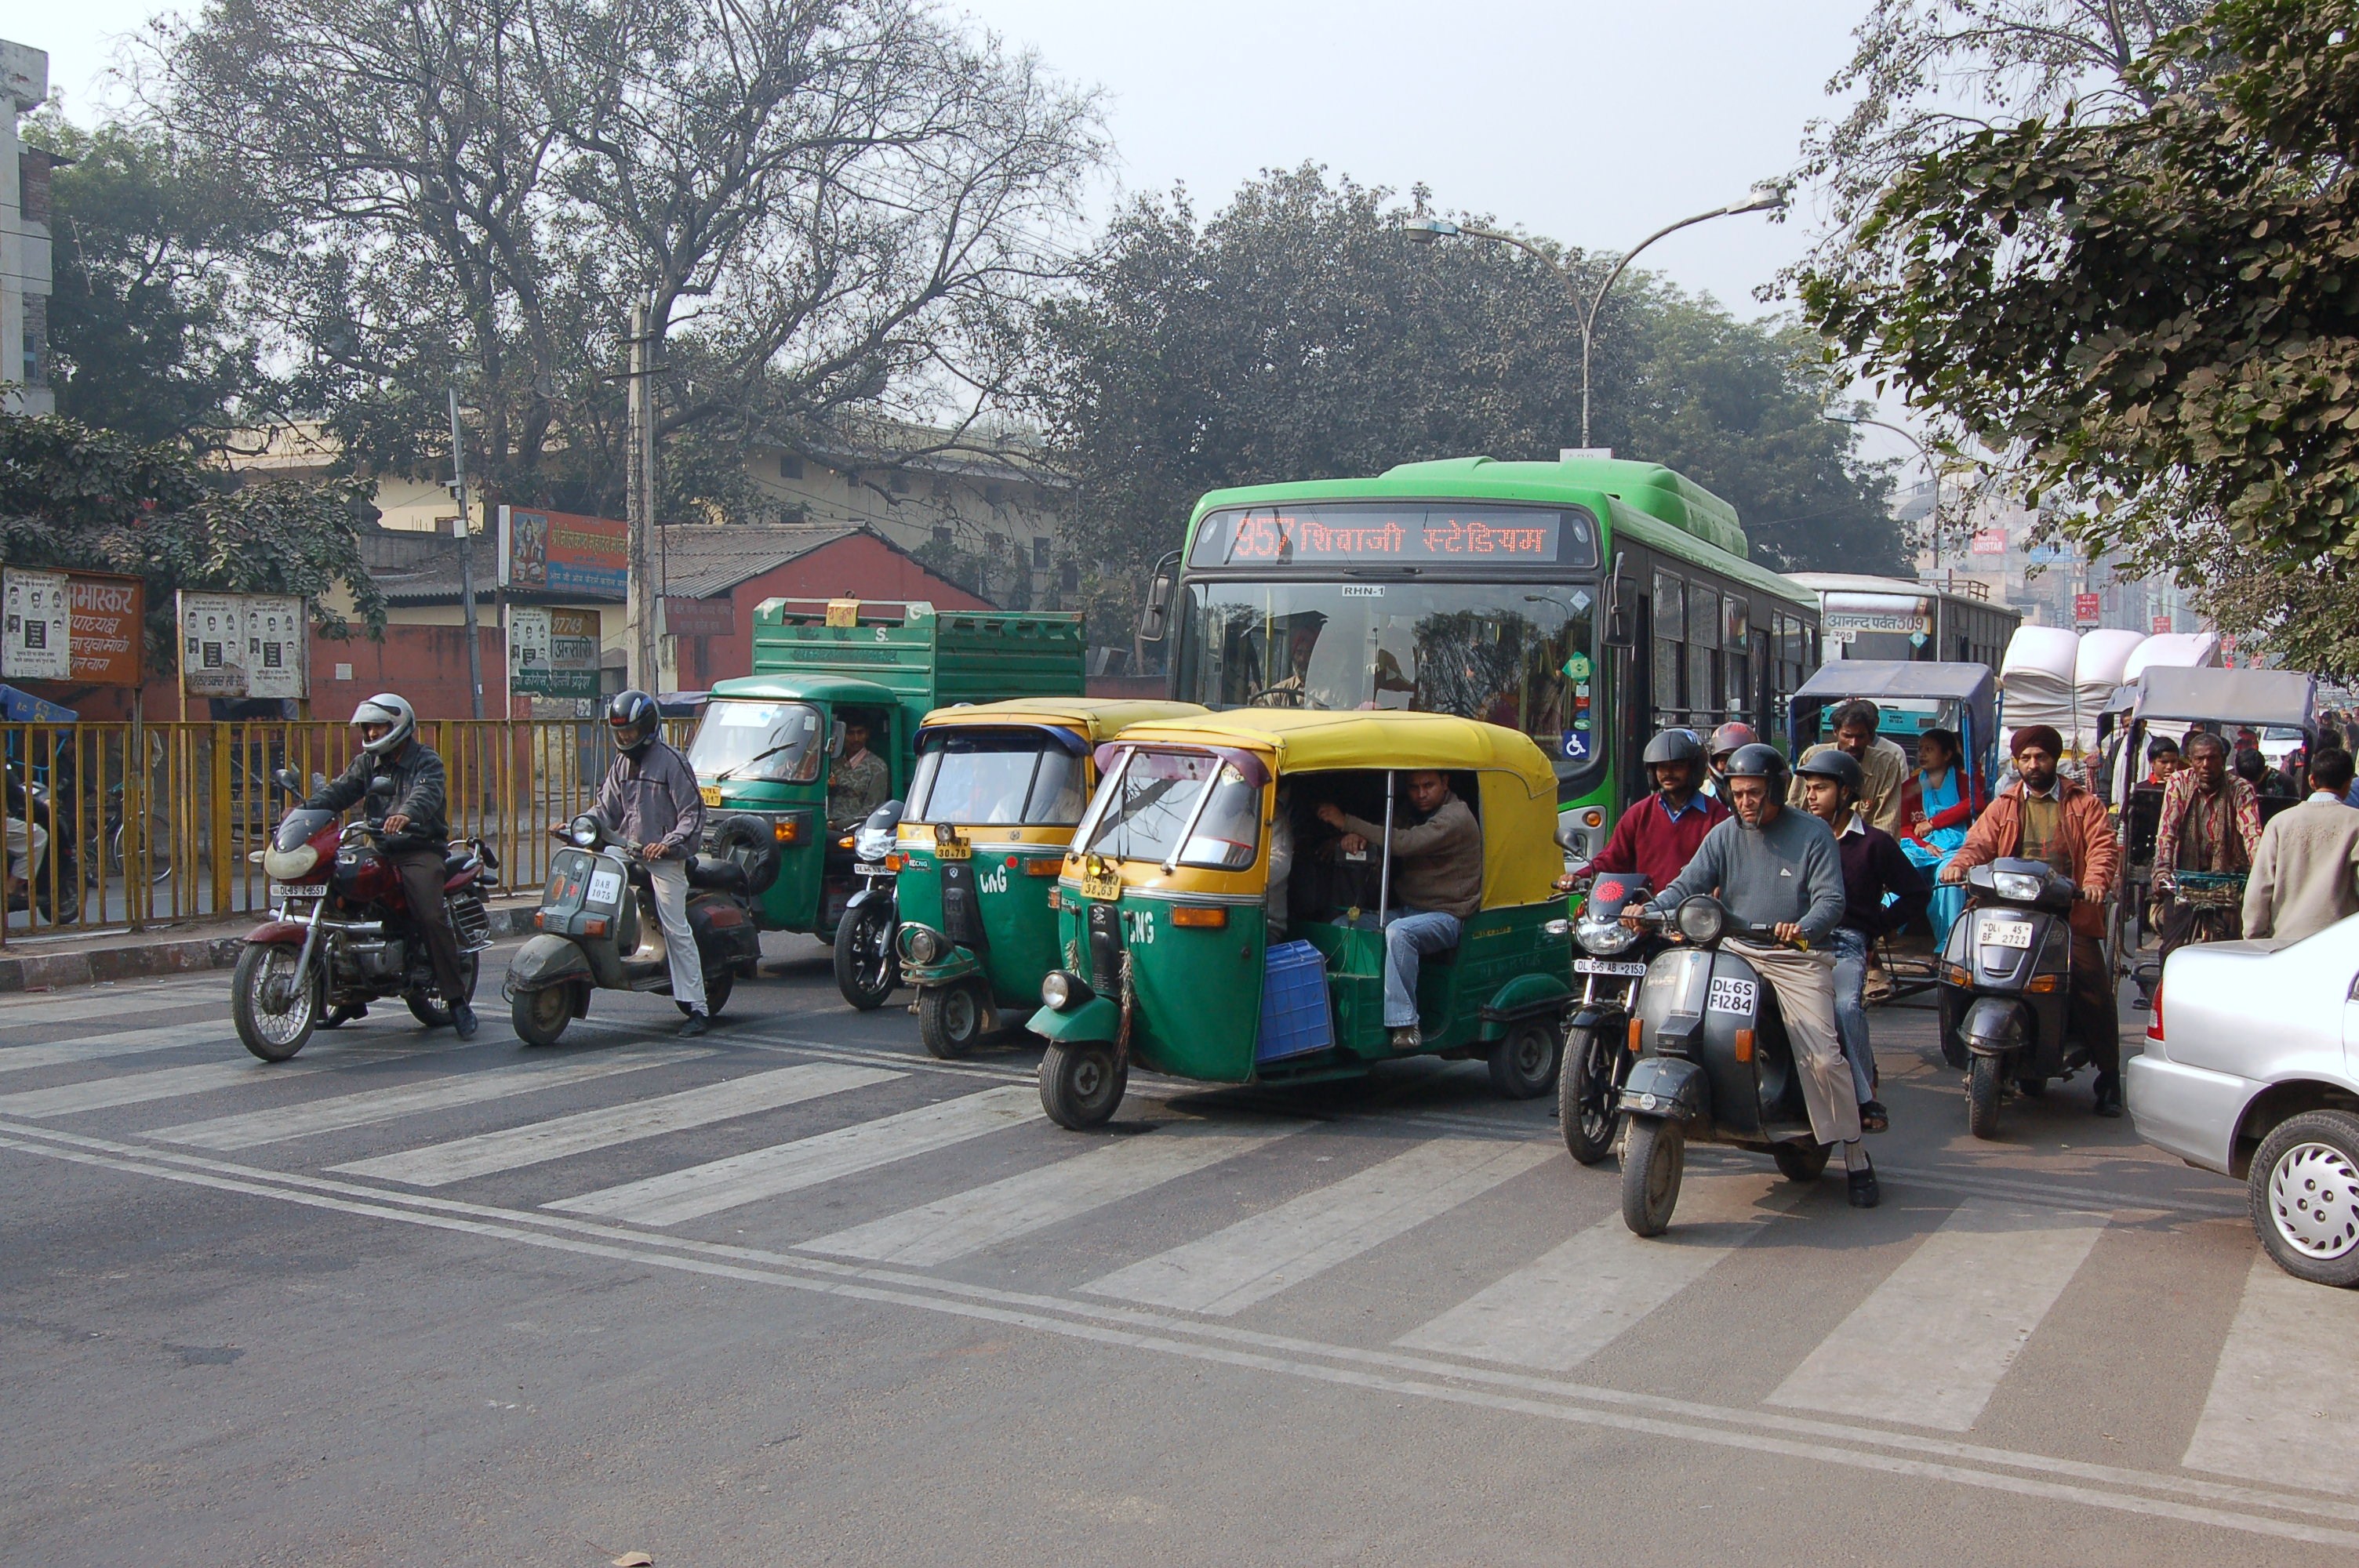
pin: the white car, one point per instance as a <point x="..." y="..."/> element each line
<point x="2252" y="1069"/>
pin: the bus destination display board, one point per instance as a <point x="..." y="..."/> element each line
<point x="1410" y="535"/>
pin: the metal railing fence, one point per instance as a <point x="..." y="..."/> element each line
<point x="126" y="846"/>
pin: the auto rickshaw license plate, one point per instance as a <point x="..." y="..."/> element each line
<point x="1106" y="888"/>
<point x="1629" y="966"/>
<point x="953" y="849"/>
<point x="2007" y="934"/>
<point x="710" y="794"/>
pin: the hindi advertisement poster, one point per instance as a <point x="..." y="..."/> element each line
<point x="212" y="644"/>
<point x="39" y="620"/>
<point x="277" y="647"/>
<point x="559" y="551"/>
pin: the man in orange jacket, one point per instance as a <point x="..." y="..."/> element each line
<point x="2043" y="816"/>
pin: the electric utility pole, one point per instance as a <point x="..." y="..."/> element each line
<point x="466" y="535"/>
<point x="640" y="609"/>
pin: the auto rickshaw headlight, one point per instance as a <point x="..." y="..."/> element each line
<point x="923" y="944"/>
<point x="1062" y="991"/>
<point x="1701" y="919"/>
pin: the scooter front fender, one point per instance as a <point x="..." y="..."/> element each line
<point x="546" y="961"/>
<point x="1993" y="1026"/>
<point x="1668" y="1087"/>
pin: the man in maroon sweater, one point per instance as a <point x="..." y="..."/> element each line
<point x="1657" y="837"/>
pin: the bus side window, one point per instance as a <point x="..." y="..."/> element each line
<point x="1670" y="623"/>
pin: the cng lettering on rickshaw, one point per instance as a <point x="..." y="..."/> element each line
<point x="993" y="880"/>
<point x="1138" y="927"/>
<point x="1729" y="994"/>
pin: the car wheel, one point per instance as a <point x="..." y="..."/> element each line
<point x="2305" y="1196"/>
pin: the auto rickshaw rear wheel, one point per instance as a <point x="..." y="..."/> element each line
<point x="1654" y="1157"/>
<point x="718" y="984"/>
<point x="1802" y="1161"/>
<point x="1524" y="1063"/>
<point x="951" y="1018"/>
<point x="1081" y="1084"/>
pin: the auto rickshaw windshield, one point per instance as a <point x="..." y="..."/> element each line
<point x="998" y="781"/>
<point x="770" y="740"/>
<point x="1155" y="798"/>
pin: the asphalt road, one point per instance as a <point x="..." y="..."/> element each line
<point x="797" y="1294"/>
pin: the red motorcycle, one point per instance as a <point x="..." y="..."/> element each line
<point x="341" y="935"/>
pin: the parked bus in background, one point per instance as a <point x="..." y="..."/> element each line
<point x="1587" y="602"/>
<point x="1951" y="623"/>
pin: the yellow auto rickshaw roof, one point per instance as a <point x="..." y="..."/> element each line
<point x="1315" y="740"/>
<point x="1095" y="719"/>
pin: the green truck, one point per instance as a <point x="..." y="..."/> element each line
<point x="771" y="747"/>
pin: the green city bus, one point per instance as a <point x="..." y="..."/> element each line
<point x="1587" y="602"/>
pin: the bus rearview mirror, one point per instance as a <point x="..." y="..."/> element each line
<point x="1152" y="619"/>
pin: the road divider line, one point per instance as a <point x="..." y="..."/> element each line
<point x="248" y="1130"/>
<point x="1930" y="1344"/>
<point x="788" y="1167"/>
<point x="1576" y="1300"/>
<point x="97" y="1047"/>
<point x="2284" y="1403"/>
<point x="487" y="1153"/>
<point x="70" y="1009"/>
<point x="1229" y="1270"/>
<point x="968" y="1222"/>
<point x="164" y="1083"/>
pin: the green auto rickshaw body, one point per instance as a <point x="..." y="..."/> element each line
<point x="974" y="886"/>
<point x="814" y="663"/>
<point x="1195" y="936"/>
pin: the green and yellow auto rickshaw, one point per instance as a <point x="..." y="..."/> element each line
<point x="997" y="790"/>
<point x="1214" y="926"/>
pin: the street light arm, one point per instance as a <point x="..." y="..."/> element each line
<point x="1520" y="244"/>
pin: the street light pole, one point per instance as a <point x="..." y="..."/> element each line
<point x="466" y="561"/>
<point x="1932" y="468"/>
<point x="1424" y="229"/>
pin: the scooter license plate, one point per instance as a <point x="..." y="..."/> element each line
<point x="1626" y="966"/>
<point x="605" y="886"/>
<point x="299" y="890"/>
<point x="868" y="867"/>
<point x="2006" y="934"/>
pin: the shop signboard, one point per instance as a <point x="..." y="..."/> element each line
<point x="1990" y="542"/>
<point x="699" y="617"/>
<point x="2088" y="608"/>
<point x="39" y="625"/>
<point x="562" y="553"/>
<point x="553" y="653"/>
<point x="110" y="629"/>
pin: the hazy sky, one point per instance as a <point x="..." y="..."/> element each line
<point x="1587" y="122"/>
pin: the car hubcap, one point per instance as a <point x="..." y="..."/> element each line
<point x="2314" y="1199"/>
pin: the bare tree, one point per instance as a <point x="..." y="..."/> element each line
<point x="831" y="202"/>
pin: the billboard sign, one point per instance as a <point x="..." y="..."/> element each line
<point x="276" y="642"/>
<point x="110" y="629"/>
<point x="1990" y="542"/>
<point x="212" y="643"/>
<point x="553" y="653"/>
<point x="39" y="619"/>
<point x="699" y="617"/>
<point x="561" y="553"/>
<point x="2088" y="608"/>
<point x="2161" y="625"/>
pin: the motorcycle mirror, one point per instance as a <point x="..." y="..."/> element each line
<point x="287" y="780"/>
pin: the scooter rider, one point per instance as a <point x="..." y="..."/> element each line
<point x="416" y="837"/>
<point x="1775" y="867"/>
<point x="1657" y="837"/>
<point x="649" y="797"/>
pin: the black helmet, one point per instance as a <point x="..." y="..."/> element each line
<point x="633" y="718"/>
<point x="1832" y="763"/>
<point x="1757" y="762"/>
<point x="1673" y="746"/>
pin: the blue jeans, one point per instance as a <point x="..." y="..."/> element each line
<point x="1412" y="934"/>
<point x="1851" y="1014"/>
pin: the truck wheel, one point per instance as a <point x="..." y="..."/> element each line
<point x="1652" y="1163"/>
<point x="1524" y="1065"/>
<point x="2305" y="1196"/>
<point x="1982" y="1097"/>
<point x="1081" y="1086"/>
<point x="866" y="968"/>
<point x="1587" y="1098"/>
<point x="540" y="1016"/>
<point x="951" y="1018"/>
<point x="1803" y="1162"/>
<point x="275" y="1016"/>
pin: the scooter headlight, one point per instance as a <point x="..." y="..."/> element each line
<point x="2016" y="887"/>
<point x="1606" y="938"/>
<point x="584" y="832"/>
<point x="1701" y="920"/>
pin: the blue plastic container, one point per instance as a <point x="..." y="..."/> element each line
<point x="1294" y="1017"/>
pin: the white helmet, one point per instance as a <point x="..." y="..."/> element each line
<point x="386" y="708"/>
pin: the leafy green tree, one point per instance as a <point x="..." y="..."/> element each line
<point x="75" y="498"/>
<point x="1297" y="335"/>
<point x="2154" y="310"/>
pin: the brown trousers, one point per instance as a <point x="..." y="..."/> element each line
<point x="422" y="882"/>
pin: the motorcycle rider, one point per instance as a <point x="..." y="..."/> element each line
<point x="2044" y="816"/>
<point x="1882" y="892"/>
<point x="1657" y="837"/>
<point x="649" y="797"/>
<point x="416" y="835"/>
<point x="1724" y="745"/>
<point x="1775" y="867"/>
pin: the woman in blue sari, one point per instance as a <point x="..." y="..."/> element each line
<point x="1938" y="802"/>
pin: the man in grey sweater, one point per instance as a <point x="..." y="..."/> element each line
<point x="1437" y="878"/>
<point x="1774" y="866"/>
<point x="2306" y="870"/>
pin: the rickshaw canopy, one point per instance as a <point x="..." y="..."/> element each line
<point x="1515" y="783"/>
<point x="1089" y="719"/>
<point x="2283" y="698"/>
<point x="1972" y="687"/>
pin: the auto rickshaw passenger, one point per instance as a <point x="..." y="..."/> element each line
<point x="1281" y="863"/>
<point x="1882" y="764"/>
<point x="859" y="783"/>
<point x="1438" y="877"/>
<point x="1938" y="802"/>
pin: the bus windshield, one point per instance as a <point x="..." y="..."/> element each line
<point x="1517" y="653"/>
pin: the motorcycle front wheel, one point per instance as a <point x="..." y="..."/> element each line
<point x="866" y="971"/>
<point x="1588" y="1094"/>
<point x="1652" y="1164"/>
<point x="275" y="1015"/>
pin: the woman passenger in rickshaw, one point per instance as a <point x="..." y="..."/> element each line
<point x="1938" y="802"/>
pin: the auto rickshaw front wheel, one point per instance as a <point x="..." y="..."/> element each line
<point x="1524" y="1063"/>
<point x="951" y="1018"/>
<point x="1081" y="1084"/>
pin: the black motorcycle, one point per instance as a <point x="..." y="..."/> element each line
<point x="2006" y="986"/>
<point x="1610" y="968"/>
<point x="867" y="966"/>
<point x="54" y="891"/>
<point x="1715" y="1065"/>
